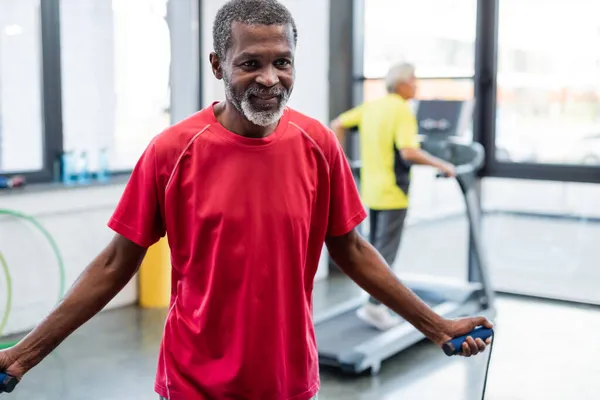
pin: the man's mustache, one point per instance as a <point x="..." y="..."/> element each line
<point x="258" y="91"/>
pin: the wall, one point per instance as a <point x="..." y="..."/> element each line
<point x="76" y="218"/>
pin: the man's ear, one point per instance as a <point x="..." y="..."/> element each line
<point x="215" y="63"/>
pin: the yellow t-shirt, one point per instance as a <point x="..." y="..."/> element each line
<point x="385" y="126"/>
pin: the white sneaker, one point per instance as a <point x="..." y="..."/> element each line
<point x="379" y="316"/>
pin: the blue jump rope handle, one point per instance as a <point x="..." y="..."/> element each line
<point x="7" y="383"/>
<point x="454" y="346"/>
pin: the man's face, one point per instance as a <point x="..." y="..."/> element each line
<point x="408" y="89"/>
<point x="258" y="71"/>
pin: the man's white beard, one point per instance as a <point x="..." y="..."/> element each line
<point x="257" y="117"/>
<point x="262" y="118"/>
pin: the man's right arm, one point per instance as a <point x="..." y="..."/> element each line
<point x="407" y="141"/>
<point x="418" y="156"/>
<point x="99" y="283"/>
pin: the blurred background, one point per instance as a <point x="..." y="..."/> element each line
<point x="86" y="84"/>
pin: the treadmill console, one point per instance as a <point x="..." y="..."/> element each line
<point x="439" y="119"/>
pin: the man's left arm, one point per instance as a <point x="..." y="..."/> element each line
<point x="407" y="142"/>
<point x="365" y="266"/>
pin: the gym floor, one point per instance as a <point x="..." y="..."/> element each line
<point x="543" y="350"/>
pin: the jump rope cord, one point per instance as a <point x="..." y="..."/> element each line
<point x="487" y="368"/>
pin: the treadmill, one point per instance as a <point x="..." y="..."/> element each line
<point x="346" y="342"/>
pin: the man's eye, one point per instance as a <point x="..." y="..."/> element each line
<point x="283" y="63"/>
<point x="250" y="64"/>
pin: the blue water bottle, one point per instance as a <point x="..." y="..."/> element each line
<point x="103" y="174"/>
<point x="82" y="169"/>
<point x="67" y="167"/>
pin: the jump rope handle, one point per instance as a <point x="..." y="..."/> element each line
<point x="454" y="346"/>
<point x="7" y="383"/>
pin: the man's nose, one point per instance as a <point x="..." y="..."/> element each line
<point x="268" y="77"/>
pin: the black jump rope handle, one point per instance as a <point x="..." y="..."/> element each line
<point x="454" y="346"/>
<point x="7" y="383"/>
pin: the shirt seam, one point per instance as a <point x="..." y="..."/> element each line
<point x="140" y="239"/>
<point x="351" y="221"/>
<point x="180" y="157"/>
<point x="315" y="144"/>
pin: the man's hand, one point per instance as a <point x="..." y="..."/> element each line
<point x="107" y="274"/>
<point x="418" y="156"/>
<point x="10" y="365"/>
<point x="365" y="266"/>
<point x="459" y="327"/>
<point x="448" y="170"/>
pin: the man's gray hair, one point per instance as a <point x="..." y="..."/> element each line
<point x="398" y="73"/>
<point x="250" y="12"/>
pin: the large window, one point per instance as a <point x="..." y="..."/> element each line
<point x="537" y="114"/>
<point x="116" y="59"/>
<point x="548" y="96"/>
<point x="21" y="122"/>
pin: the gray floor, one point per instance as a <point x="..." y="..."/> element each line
<point x="543" y="350"/>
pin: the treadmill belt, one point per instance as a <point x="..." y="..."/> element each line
<point x="342" y="332"/>
<point x="346" y="331"/>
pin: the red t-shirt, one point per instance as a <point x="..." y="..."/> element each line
<point x="246" y="221"/>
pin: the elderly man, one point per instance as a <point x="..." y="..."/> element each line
<point x="248" y="191"/>
<point x="388" y="147"/>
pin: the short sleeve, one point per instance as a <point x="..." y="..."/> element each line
<point x="138" y="216"/>
<point x="346" y="210"/>
<point x="407" y="132"/>
<point x="351" y="118"/>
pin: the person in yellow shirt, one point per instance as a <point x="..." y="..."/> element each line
<point x="389" y="145"/>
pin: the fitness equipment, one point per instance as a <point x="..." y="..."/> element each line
<point x="6" y="273"/>
<point x="7" y="382"/>
<point x="346" y="342"/>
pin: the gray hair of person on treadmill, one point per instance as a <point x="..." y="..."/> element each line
<point x="397" y="74"/>
<point x="249" y="12"/>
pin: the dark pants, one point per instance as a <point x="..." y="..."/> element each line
<point x="386" y="228"/>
